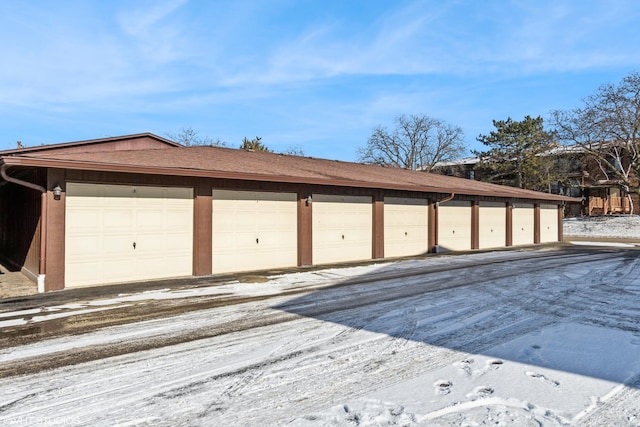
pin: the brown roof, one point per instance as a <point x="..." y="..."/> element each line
<point x="218" y="162"/>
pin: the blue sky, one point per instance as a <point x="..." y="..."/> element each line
<point x="316" y="74"/>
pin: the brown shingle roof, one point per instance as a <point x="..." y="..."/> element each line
<point x="263" y="166"/>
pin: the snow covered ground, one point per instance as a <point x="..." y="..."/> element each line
<point x="534" y="337"/>
<point x="623" y="226"/>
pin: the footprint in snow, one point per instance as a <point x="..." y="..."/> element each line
<point x="480" y="392"/>
<point x="538" y="376"/>
<point x="494" y="364"/>
<point x="464" y="366"/>
<point x="442" y="387"/>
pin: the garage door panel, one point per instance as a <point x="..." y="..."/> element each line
<point x="84" y="219"/>
<point x="149" y="218"/>
<point x="548" y="223"/>
<point x="523" y="224"/>
<point x="225" y="220"/>
<point x="405" y="226"/>
<point x="353" y="219"/>
<point x="114" y="245"/>
<point x="87" y="272"/>
<point x="118" y="266"/>
<point x="492" y="224"/>
<point x="175" y="219"/>
<point x="79" y="246"/>
<point x="170" y="263"/>
<point x="254" y="230"/>
<point x="342" y="228"/>
<point x="103" y="221"/>
<point x="454" y="225"/>
<point x="150" y="243"/>
<point x="117" y="218"/>
<point x="279" y="236"/>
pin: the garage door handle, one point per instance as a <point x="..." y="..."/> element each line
<point x="134" y="245"/>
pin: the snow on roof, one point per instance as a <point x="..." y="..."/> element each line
<point x="459" y="162"/>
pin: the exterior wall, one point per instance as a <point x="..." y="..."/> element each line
<point x="450" y="225"/>
<point x="305" y="227"/>
<point x="142" y="142"/>
<point x="492" y="225"/>
<point x="203" y="229"/>
<point x="54" y="232"/>
<point x="378" y="228"/>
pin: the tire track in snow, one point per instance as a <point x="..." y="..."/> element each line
<point x="301" y="371"/>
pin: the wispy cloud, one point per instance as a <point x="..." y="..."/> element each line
<point x="155" y="30"/>
<point x="305" y="67"/>
<point x="392" y="44"/>
<point x="79" y="58"/>
<point x="460" y="38"/>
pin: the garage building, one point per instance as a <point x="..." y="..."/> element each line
<point x="141" y="207"/>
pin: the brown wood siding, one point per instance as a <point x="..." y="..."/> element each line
<point x="475" y="224"/>
<point x="143" y="142"/>
<point x="378" y="226"/>
<point x="97" y="177"/>
<point x="432" y="227"/>
<point x="20" y="222"/>
<point x="202" y="229"/>
<point x="305" y="225"/>
<point x="536" y="223"/>
<point x="509" y="237"/>
<point x="560" y="223"/>
<point x="55" y="233"/>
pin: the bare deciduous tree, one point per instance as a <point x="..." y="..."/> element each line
<point x="189" y="137"/>
<point x="416" y="142"/>
<point x="294" y="150"/>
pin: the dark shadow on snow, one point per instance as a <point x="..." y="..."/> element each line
<point x="468" y="309"/>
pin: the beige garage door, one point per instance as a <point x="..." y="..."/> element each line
<point x="454" y="226"/>
<point x="523" y="221"/>
<point x="254" y="230"/>
<point x="405" y="226"/>
<point x="548" y="223"/>
<point x="342" y="228"/>
<point x="493" y="225"/>
<point x="122" y="233"/>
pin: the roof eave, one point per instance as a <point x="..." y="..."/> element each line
<point x="201" y="173"/>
